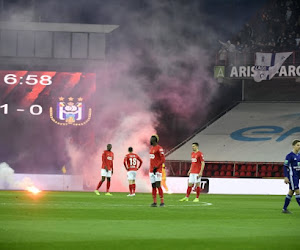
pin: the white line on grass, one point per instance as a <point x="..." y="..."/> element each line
<point x="85" y="204"/>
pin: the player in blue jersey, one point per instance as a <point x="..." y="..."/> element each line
<point x="291" y="172"/>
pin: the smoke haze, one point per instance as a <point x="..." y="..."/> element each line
<point x="156" y="79"/>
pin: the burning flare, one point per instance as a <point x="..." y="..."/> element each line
<point x="33" y="190"/>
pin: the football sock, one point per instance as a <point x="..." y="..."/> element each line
<point x="99" y="184"/>
<point x="298" y="198"/>
<point x="107" y="186"/>
<point x="188" y="192"/>
<point x="287" y="201"/>
<point x="161" y="195"/>
<point x="198" y="191"/>
<point x="130" y="188"/>
<point x="133" y="188"/>
<point x="154" y="194"/>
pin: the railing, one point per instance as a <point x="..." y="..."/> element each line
<point x="229" y="169"/>
<point x="245" y="59"/>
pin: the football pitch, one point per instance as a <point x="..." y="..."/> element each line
<point x="82" y="220"/>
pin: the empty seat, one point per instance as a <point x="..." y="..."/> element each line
<point x="254" y="168"/>
<point x="277" y="174"/>
<point x="262" y="174"/>
<point x="249" y="168"/>
<point x="222" y="173"/>
<point x="237" y="174"/>
<point x="242" y="174"/>
<point x="269" y="174"/>
<point x="243" y="168"/>
<point x="208" y="167"/>
<point x="216" y="173"/>
<point x="215" y="167"/>
<point x="248" y="174"/>
<point x="276" y="168"/>
<point x="228" y="173"/>
<point x="208" y="173"/>
<point x="269" y="168"/>
<point x="263" y="168"/>
<point x="223" y="167"/>
<point x="229" y="167"/>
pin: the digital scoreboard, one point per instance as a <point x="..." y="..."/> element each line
<point x="40" y="111"/>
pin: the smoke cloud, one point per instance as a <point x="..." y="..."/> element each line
<point x="156" y="79"/>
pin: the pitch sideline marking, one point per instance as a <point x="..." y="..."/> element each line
<point x="202" y="203"/>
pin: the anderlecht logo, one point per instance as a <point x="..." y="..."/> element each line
<point x="71" y="112"/>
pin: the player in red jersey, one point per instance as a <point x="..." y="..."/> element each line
<point x="195" y="172"/>
<point x="131" y="164"/>
<point x="157" y="158"/>
<point x="107" y="169"/>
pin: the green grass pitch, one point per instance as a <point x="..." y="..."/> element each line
<point x="82" y="220"/>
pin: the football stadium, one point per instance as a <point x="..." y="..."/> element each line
<point x="149" y="124"/>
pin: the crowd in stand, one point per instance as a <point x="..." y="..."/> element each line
<point x="276" y="28"/>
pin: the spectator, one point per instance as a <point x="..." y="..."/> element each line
<point x="297" y="39"/>
<point x="288" y="14"/>
<point x="222" y="56"/>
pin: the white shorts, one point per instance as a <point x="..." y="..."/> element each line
<point x="131" y="175"/>
<point x="155" y="177"/>
<point x="194" y="178"/>
<point x="105" y="173"/>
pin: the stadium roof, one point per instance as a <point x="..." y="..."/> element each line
<point x="68" y="27"/>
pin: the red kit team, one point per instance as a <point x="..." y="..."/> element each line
<point x="132" y="163"/>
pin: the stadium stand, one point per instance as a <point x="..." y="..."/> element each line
<point x="276" y="28"/>
<point x="252" y="139"/>
<point x="239" y="142"/>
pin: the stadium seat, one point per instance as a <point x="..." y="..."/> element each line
<point x="208" y="167"/>
<point x="263" y="168"/>
<point x="269" y="168"/>
<point x="242" y="174"/>
<point x="262" y="174"/>
<point x="269" y="174"/>
<point x="215" y="167"/>
<point x="216" y="173"/>
<point x="223" y="167"/>
<point x="277" y="174"/>
<point x="229" y="167"/>
<point x="243" y="168"/>
<point x="208" y="173"/>
<point x="228" y="173"/>
<point x="249" y="168"/>
<point x="254" y="168"/>
<point x="236" y="174"/>
<point x="276" y="168"/>
<point x="222" y="173"/>
<point x="249" y="174"/>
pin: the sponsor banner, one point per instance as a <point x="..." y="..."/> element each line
<point x="53" y="182"/>
<point x="250" y="71"/>
<point x="219" y="72"/>
<point x="248" y="186"/>
<point x="180" y="184"/>
<point x="175" y="184"/>
<point x="232" y="186"/>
